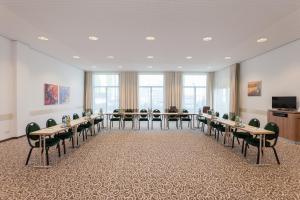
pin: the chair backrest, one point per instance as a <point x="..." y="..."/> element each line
<point x="254" y="122"/>
<point x="128" y="111"/>
<point x="185" y="111"/>
<point x="172" y="109"/>
<point x="75" y="116"/>
<point x="205" y="109"/>
<point x="217" y="114"/>
<point x="225" y="116"/>
<point x="156" y="111"/>
<point x="50" y="122"/>
<point x="271" y="126"/>
<point x="143" y="111"/>
<point x="31" y="127"/>
<point x="232" y="118"/>
<point x="209" y="112"/>
<point x="117" y="115"/>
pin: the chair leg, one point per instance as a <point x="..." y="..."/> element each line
<point x="181" y="124"/>
<point x="243" y="146"/>
<point x="258" y="156"/>
<point x="28" y="157"/>
<point x="278" y="162"/>
<point x="177" y="124"/>
<point x="132" y="127"/>
<point x="148" y="125"/>
<point x="47" y="156"/>
<point x="160" y="125"/>
<point x="123" y="124"/>
<point x="139" y="125"/>
<point x="72" y="142"/>
<point x="110" y="125"/>
<point x="151" y="125"/>
<point x="64" y="146"/>
<point x="232" y="141"/>
<point x="58" y="149"/>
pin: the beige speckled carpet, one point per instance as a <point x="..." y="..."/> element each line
<point x="172" y="164"/>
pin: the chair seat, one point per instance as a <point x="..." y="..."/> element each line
<point x="185" y="119"/>
<point x="255" y="142"/>
<point x="242" y="135"/>
<point x="87" y="125"/>
<point x="98" y="120"/>
<point x="115" y="119"/>
<point x="203" y="120"/>
<point x="49" y="142"/>
<point x="156" y="119"/>
<point x="128" y="119"/>
<point x="143" y="119"/>
<point x="65" y="135"/>
<point x="173" y="119"/>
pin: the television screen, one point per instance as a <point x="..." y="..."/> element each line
<point x="284" y="102"/>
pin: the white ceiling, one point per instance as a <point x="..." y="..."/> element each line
<point x="178" y="25"/>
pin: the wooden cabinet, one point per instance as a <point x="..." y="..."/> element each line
<point x="288" y="122"/>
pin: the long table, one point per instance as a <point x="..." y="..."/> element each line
<point x="150" y="115"/>
<point x="46" y="132"/>
<point x="247" y="128"/>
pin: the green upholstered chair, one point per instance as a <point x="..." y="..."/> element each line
<point x="81" y="129"/>
<point x="243" y="135"/>
<point x="33" y="141"/>
<point x="202" y="121"/>
<point x="185" y="118"/>
<point x="62" y="136"/>
<point x="221" y="128"/>
<point x="116" y="117"/>
<point x="172" y="118"/>
<point x="214" y="125"/>
<point x="128" y="118"/>
<point x="270" y="141"/>
<point x="156" y="118"/>
<point x="144" y="118"/>
<point x="98" y="121"/>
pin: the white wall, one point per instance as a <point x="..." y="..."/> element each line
<point x="279" y="71"/>
<point x="29" y="70"/>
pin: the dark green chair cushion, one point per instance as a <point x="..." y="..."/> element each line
<point x="255" y="142"/>
<point x="185" y="119"/>
<point x="98" y="120"/>
<point x="143" y="119"/>
<point x="173" y="119"/>
<point x="128" y="119"/>
<point x="49" y="142"/>
<point x="115" y="119"/>
<point x="65" y="135"/>
<point x="156" y="119"/>
<point x="242" y="135"/>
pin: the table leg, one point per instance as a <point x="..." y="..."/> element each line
<point x="260" y="147"/>
<point x="76" y="135"/>
<point x="227" y="136"/>
<point x="93" y="127"/>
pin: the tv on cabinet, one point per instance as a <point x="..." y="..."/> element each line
<point x="284" y="103"/>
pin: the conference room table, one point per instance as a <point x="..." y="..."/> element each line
<point x="60" y="128"/>
<point x="244" y="127"/>
<point x="164" y="115"/>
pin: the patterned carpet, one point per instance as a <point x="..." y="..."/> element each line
<point x="172" y="164"/>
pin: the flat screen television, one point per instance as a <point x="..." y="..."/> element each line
<point x="284" y="103"/>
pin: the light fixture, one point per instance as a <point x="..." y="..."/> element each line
<point x="43" y="38"/>
<point x="150" y="57"/>
<point x="150" y="67"/>
<point x="189" y="57"/>
<point x="227" y="58"/>
<point x="261" y="40"/>
<point x="76" y="57"/>
<point x="150" y="38"/>
<point x="207" y="39"/>
<point x="110" y="57"/>
<point x="94" y="38"/>
<point x="179" y="67"/>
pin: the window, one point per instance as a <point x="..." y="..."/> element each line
<point x="194" y="92"/>
<point x="105" y="92"/>
<point x="222" y="91"/>
<point x="151" y="91"/>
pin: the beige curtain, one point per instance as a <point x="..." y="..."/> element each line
<point x="128" y="90"/>
<point x="209" y="89"/>
<point x="88" y="90"/>
<point x="234" y="89"/>
<point x="173" y="89"/>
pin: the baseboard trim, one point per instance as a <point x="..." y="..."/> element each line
<point x="12" y="138"/>
<point x="290" y="141"/>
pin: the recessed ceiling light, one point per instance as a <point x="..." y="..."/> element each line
<point x="43" y="38"/>
<point x="150" y="67"/>
<point x="120" y="66"/>
<point x="227" y="58"/>
<point x="189" y="57"/>
<point x="150" y="38"/>
<point x="179" y="67"/>
<point x="261" y="40"/>
<point x="76" y="57"/>
<point x="110" y="57"/>
<point x="207" y="39"/>
<point x="93" y="38"/>
<point x="150" y="57"/>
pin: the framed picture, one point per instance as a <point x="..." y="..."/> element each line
<point x="254" y="88"/>
<point x="50" y="94"/>
<point x="64" y="94"/>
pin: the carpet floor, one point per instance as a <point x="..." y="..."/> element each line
<point x="185" y="164"/>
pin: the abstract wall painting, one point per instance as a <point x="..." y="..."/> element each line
<point x="64" y="94"/>
<point x="50" y="94"/>
<point x="254" y="88"/>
